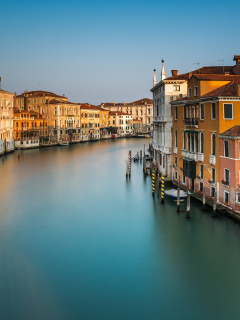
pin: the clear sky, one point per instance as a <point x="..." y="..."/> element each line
<point x="99" y="51"/>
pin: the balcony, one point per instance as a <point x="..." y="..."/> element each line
<point x="200" y="156"/>
<point x="189" y="154"/>
<point x="191" y="122"/>
<point x="212" y="159"/>
<point x="175" y="150"/>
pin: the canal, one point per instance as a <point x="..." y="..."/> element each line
<point x="79" y="241"/>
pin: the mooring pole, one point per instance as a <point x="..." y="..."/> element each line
<point x="153" y="181"/>
<point x="144" y="151"/>
<point x="140" y="155"/>
<point x="18" y="152"/>
<point x="162" y="189"/>
<point x="188" y="203"/>
<point x="129" y="163"/>
<point x="126" y="168"/>
<point x="178" y="196"/>
<point x="214" y="204"/>
<point x="204" y="199"/>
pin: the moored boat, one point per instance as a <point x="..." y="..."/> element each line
<point x="172" y="193"/>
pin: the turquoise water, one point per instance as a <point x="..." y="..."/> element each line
<point x="79" y="241"/>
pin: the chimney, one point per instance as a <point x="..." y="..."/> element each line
<point x="174" y="72"/>
<point x="63" y="95"/>
<point x="237" y="59"/>
<point x="114" y="103"/>
<point x="238" y="90"/>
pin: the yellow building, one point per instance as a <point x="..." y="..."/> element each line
<point x="90" y="122"/>
<point x="6" y="122"/>
<point x="211" y="106"/>
<point x="30" y="129"/>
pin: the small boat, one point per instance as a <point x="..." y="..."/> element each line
<point x="64" y="144"/>
<point x="172" y="193"/>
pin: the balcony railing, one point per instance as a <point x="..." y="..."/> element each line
<point x="191" y="121"/>
<point x="212" y="159"/>
<point x="189" y="154"/>
<point x="200" y="156"/>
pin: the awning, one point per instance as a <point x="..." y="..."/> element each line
<point x="191" y="131"/>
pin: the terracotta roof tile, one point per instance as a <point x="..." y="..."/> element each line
<point x="231" y="132"/>
<point x="228" y="90"/>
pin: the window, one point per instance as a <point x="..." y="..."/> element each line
<point x="202" y="142"/>
<point x="213" y="175"/>
<point x="201" y="171"/>
<point x="195" y="91"/>
<point x="176" y="139"/>
<point x="55" y="110"/>
<point x="226" y="197"/>
<point x="238" y="197"/>
<point x="184" y="112"/>
<point x="201" y="111"/>
<point x="226" y="175"/>
<point x="228" y="112"/>
<point x="213" y="110"/>
<point x="176" y="113"/>
<point x="175" y="162"/>
<point x="189" y="92"/>
<point x="201" y="186"/>
<point x="176" y="88"/>
<point x="176" y="175"/>
<point x="212" y="191"/>
<point x="213" y="144"/>
<point x="184" y="140"/>
<point x="184" y="179"/>
<point x="226" y="148"/>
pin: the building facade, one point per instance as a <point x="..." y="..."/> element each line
<point x="164" y="92"/>
<point x="122" y="123"/>
<point x="6" y="122"/>
<point x="140" y="110"/>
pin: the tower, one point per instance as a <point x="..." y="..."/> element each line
<point x="163" y="75"/>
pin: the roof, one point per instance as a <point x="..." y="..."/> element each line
<point x="54" y="101"/>
<point x="91" y="107"/>
<point x="228" y="90"/>
<point x="137" y="102"/>
<point x="216" y="77"/>
<point x="231" y="132"/>
<point x="3" y="91"/>
<point x="16" y="110"/>
<point x="40" y="93"/>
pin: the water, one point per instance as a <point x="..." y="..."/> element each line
<point x="78" y="241"/>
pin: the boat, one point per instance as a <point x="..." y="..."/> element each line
<point x="172" y="193"/>
<point x="64" y="144"/>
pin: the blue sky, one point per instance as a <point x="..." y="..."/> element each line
<point x="99" y="51"/>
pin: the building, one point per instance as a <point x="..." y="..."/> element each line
<point x="90" y="122"/>
<point x="211" y="107"/>
<point x="141" y="110"/>
<point x="6" y="122"/>
<point x="30" y="129"/>
<point x="64" y="120"/>
<point x="165" y="91"/>
<point x="229" y="176"/>
<point x="121" y="123"/>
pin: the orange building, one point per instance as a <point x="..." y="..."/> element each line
<point x="210" y="107"/>
<point x="30" y="129"/>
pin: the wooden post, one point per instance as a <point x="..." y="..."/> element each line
<point x="144" y="151"/>
<point x="178" y="196"/>
<point x="153" y="182"/>
<point x="126" y="168"/>
<point x="18" y="152"/>
<point x="204" y="199"/>
<point x="162" y="189"/>
<point x="188" y="205"/>
<point x="214" y="204"/>
<point x="129" y="163"/>
<point x="140" y="155"/>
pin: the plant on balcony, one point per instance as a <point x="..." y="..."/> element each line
<point x="210" y="181"/>
<point x="198" y="177"/>
<point x="225" y="182"/>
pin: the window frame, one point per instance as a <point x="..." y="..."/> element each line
<point x="195" y="91"/>
<point x="202" y="106"/>
<point x="213" y="118"/>
<point x="189" y="92"/>
<point x="224" y="112"/>
<point x="226" y="141"/>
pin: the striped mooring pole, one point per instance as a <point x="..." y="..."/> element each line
<point x="153" y="181"/>
<point x="162" y="189"/>
<point x="129" y="163"/>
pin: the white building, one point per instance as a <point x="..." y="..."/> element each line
<point x="122" y="122"/>
<point x="165" y="91"/>
<point x="6" y="122"/>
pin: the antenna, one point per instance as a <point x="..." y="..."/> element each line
<point x="198" y="66"/>
<point x="223" y="64"/>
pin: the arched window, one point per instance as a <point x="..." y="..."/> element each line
<point x="213" y="144"/>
